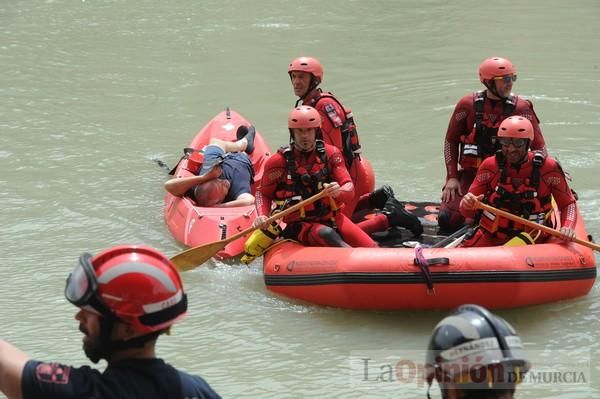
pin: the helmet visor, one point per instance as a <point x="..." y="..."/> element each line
<point x="81" y="283"/>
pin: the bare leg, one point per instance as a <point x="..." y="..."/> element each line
<point x="230" y="146"/>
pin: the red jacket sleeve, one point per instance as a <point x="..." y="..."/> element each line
<point x="457" y="127"/>
<point x="553" y="175"/>
<point x="340" y="174"/>
<point x="484" y="182"/>
<point x="274" y="174"/>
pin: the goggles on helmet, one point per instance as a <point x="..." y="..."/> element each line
<point x="516" y="142"/>
<point x="506" y="78"/>
<point x="81" y="287"/>
<point x="82" y="282"/>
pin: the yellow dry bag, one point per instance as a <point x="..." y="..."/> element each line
<point x="259" y="242"/>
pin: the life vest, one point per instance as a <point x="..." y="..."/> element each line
<point x="480" y="143"/>
<point x="351" y="147"/>
<point x="523" y="201"/>
<point x="302" y="183"/>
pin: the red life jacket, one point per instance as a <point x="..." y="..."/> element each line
<point x="302" y="183"/>
<point x="351" y="147"/>
<point x="523" y="200"/>
<point x="480" y="143"/>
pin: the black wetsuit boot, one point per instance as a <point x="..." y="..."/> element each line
<point x="398" y="216"/>
<point x="379" y="197"/>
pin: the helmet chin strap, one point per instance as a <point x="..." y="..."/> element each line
<point x="492" y="89"/>
<point x="314" y="83"/>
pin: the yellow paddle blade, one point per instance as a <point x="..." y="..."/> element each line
<point x="193" y="257"/>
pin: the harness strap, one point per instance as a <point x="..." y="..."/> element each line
<point x="509" y="105"/>
<point x="505" y="196"/>
<point x="350" y="149"/>
<point x="478" y="103"/>
<point x="480" y="132"/>
<point x="307" y="185"/>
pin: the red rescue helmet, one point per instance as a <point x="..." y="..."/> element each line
<point x="304" y="117"/>
<point x="517" y="127"/>
<point x="495" y="66"/>
<point x="137" y="284"/>
<point x="307" y="64"/>
<point x="473" y="347"/>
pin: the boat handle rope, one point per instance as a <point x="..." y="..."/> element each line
<point x="424" y="264"/>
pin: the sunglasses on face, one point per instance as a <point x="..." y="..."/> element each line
<point x="506" y="78"/>
<point x="517" y="143"/>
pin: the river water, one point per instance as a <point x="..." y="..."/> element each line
<point x="92" y="91"/>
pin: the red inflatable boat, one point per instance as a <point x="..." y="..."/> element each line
<point x="432" y="278"/>
<point x="193" y="225"/>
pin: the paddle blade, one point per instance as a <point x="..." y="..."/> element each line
<point x="194" y="257"/>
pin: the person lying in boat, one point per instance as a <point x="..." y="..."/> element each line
<point x="226" y="175"/>
<point x="126" y="297"/>
<point x="471" y="133"/>
<point x="338" y="129"/>
<point x="521" y="182"/>
<point x="475" y="354"/>
<point x="301" y="170"/>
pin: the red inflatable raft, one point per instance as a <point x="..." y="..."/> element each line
<point x="432" y="278"/>
<point x="193" y="225"/>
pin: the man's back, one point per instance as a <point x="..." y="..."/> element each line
<point x="129" y="378"/>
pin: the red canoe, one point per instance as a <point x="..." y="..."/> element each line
<point x="442" y="278"/>
<point x="194" y="225"/>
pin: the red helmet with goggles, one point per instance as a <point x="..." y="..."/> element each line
<point x="137" y="284"/>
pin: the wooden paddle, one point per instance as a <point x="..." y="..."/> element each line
<point x="194" y="257"/>
<point x="533" y="225"/>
